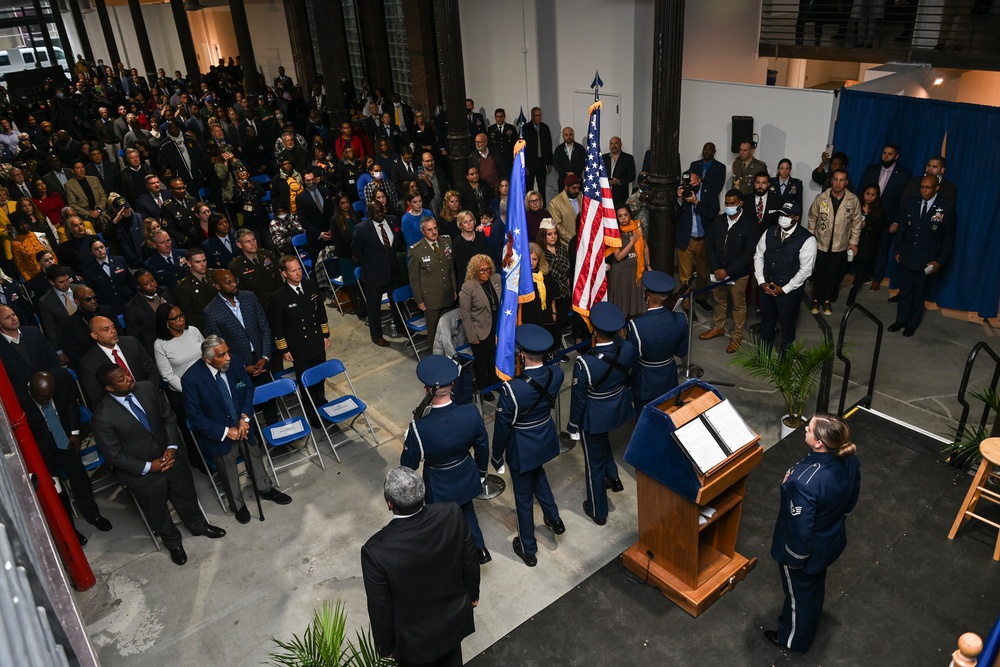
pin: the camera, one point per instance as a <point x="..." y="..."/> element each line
<point x="688" y="190"/>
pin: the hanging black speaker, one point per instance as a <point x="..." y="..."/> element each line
<point x="742" y="131"/>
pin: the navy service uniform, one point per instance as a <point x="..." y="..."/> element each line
<point x="922" y="239"/>
<point x="442" y="440"/>
<point x="658" y="336"/>
<point x="526" y="434"/>
<point x="810" y="534"/>
<point x="601" y="404"/>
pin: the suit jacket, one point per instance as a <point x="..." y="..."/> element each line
<point x="624" y="171"/>
<point x="167" y="274"/>
<point x="714" y="179"/>
<point x="421" y="577"/>
<point x="248" y="341"/>
<point x="14" y="295"/>
<point x="477" y="319"/>
<point x="78" y="200"/>
<point x="315" y="221"/>
<point x="108" y="179"/>
<point x="564" y="215"/>
<point x="477" y="125"/>
<point x="219" y="256"/>
<point x="894" y="187"/>
<point x="432" y="277"/>
<point x="378" y="264"/>
<point x="139" y="363"/>
<point x="41" y="353"/>
<point x="55" y="185"/>
<point x="115" y="290"/>
<point x="772" y="210"/>
<point x="133" y="185"/>
<point x="707" y="207"/>
<point x="125" y="443"/>
<point x="146" y="205"/>
<point x="66" y="401"/>
<point x="140" y="318"/>
<point x="537" y="146"/>
<point x="53" y="314"/>
<point x="75" y="334"/>
<point x="206" y="407"/>
<point x="563" y="163"/>
<point x="298" y="322"/>
<point x="400" y="176"/>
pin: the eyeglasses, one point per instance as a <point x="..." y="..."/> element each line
<point x="176" y="317"/>
<point x="88" y="298"/>
<point x="485" y="269"/>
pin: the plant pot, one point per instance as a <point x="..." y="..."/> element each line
<point x="787" y="430"/>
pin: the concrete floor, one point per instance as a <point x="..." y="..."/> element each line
<point x="260" y="581"/>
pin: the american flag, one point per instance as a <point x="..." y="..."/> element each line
<point x="598" y="226"/>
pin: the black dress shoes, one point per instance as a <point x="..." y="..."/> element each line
<point x="100" y="523"/>
<point x="589" y="512"/>
<point x="243" y="514"/>
<point x="894" y="299"/>
<point x="557" y="526"/>
<point x="909" y="331"/>
<point x="530" y="561"/>
<point x="772" y="636"/>
<point x="276" y="496"/>
<point x="895" y="326"/>
<point x="81" y="537"/>
<point x="484" y="556"/>
<point x="178" y="556"/>
<point x="211" y="532"/>
<point x="615" y="485"/>
<point x="488" y="397"/>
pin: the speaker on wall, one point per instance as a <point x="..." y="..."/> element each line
<point x="742" y="131"/>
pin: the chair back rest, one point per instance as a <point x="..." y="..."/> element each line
<point x="402" y="294"/>
<point x="332" y="266"/>
<point x="299" y="240"/>
<point x="359" y="206"/>
<point x="85" y="415"/>
<point x="327" y="369"/>
<point x="261" y="179"/>
<point x="276" y="389"/>
<point x="357" y="273"/>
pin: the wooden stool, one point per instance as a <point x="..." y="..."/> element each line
<point x="990" y="450"/>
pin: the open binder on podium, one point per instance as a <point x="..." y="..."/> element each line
<point x="692" y="453"/>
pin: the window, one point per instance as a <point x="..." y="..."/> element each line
<point x="399" y="56"/>
<point x="351" y="28"/>
<point x="43" y="56"/>
<point x="4" y="59"/>
<point x="28" y="56"/>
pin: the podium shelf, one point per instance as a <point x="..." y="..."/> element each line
<point x="729" y="501"/>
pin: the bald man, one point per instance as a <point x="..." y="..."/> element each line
<point x="125" y="351"/>
<point x="490" y="164"/>
<point x="620" y="167"/>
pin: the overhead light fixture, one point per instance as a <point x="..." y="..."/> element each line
<point x="938" y="81"/>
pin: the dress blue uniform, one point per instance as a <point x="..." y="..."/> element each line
<point x="659" y="335"/>
<point x="926" y="234"/>
<point x="442" y="440"/>
<point x="600" y="404"/>
<point x="525" y="432"/>
<point x="810" y="534"/>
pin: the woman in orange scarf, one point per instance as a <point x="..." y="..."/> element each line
<point x="626" y="266"/>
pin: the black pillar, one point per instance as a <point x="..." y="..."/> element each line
<point x="57" y="18"/>
<point x="244" y="45"/>
<point x="81" y="32"/>
<point x="37" y="5"/>
<point x="139" y="25"/>
<point x="375" y="44"/>
<point x="668" y="55"/>
<point x="449" y="40"/>
<point x="109" y="34"/>
<point x="333" y="55"/>
<point x="301" y="42"/>
<point x="187" y="42"/>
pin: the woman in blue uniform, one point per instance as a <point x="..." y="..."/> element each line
<point x="811" y="532"/>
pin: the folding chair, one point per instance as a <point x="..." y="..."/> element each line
<point x="205" y="195"/>
<point x="332" y="266"/>
<point x="263" y="180"/>
<point x="360" y="207"/>
<point x="299" y="244"/>
<point x="385" y="300"/>
<point x="285" y="430"/>
<point x="340" y="409"/>
<point x="93" y="460"/>
<point x="266" y="199"/>
<point x="414" y="321"/>
<point x="210" y="467"/>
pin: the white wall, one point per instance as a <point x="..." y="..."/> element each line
<point x="720" y="41"/>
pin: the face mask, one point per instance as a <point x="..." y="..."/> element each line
<point x="278" y="116"/>
<point x="282" y="216"/>
<point x="311" y="186"/>
<point x="785" y="222"/>
<point x="377" y="175"/>
<point x="732" y="210"/>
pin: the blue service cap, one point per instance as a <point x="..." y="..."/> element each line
<point x="437" y="370"/>
<point x="657" y="282"/>
<point x="533" y="338"/>
<point x="607" y="317"/>
<point x="791" y="208"/>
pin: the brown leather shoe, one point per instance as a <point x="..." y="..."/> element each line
<point x="734" y="344"/>
<point x="381" y="342"/>
<point x="874" y="287"/>
<point x="712" y="333"/>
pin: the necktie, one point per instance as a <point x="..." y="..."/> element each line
<point x="298" y="290"/>
<point x="55" y="426"/>
<point x="318" y="199"/>
<point x="760" y="209"/>
<point x="69" y="303"/>
<point x="385" y="236"/>
<point x="437" y="250"/>
<point x="704" y="168"/>
<point x="24" y="190"/>
<point x="227" y="397"/>
<point x="225" y="242"/>
<point x="139" y="413"/>
<point x="107" y="268"/>
<point x="923" y="209"/>
<point x="121" y="362"/>
<point x="159" y="200"/>
<point x="170" y="260"/>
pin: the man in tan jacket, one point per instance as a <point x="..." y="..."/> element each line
<point x="565" y="207"/>
<point x="835" y="220"/>
<point x="86" y="195"/>
<point x="432" y="274"/>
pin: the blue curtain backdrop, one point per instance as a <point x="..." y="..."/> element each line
<point x="868" y="121"/>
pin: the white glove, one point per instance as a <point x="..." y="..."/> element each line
<point x="929" y="269"/>
<point x="502" y="469"/>
<point x="574" y="436"/>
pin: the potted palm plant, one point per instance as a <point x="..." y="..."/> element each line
<point x="964" y="451"/>
<point x="794" y="374"/>
<point x="324" y="644"/>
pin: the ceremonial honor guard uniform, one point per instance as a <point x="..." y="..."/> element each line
<point x="442" y="439"/>
<point x="600" y="404"/>
<point x="525" y="432"/>
<point x="659" y="335"/>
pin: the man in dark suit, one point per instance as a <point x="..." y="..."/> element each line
<point x="149" y="201"/>
<point x="374" y="248"/>
<point x="221" y="419"/>
<point x="891" y="179"/>
<point x="109" y="277"/>
<point x="299" y="325"/>
<point x="620" y="167"/>
<point x="167" y="265"/>
<point x="569" y="158"/>
<point x="74" y="336"/>
<point x="711" y="171"/>
<point x="314" y="207"/>
<point x="421" y="577"/>
<point x="403" y="172"/>
<point x="75" y="250"/>
<point x="537" y="152"/>
<point x="936" y="166"/>
<point x="763" y="205"/>
<point x="57" y="305"/>
<point x="125" y="351"/>
<point x="502" y="137"/>
<point x="926" y="241"/>
<point x="140" y="311"/>
<point x="137" y="432"/>
<point x="133" y="181"/>
<point x="23" y="350"/>
<point x="476" y="122"/>
<point x="105" y="172"/>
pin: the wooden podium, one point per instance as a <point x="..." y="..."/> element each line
<point x="691" y="562"/>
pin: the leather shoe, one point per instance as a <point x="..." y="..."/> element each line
<point x="484" y="556"/>
<point x="734" y="344"/>
<point x="81" y="537"/>
<point x="243" y="514"/>
<point x="909" y="331"/>
<point x="530" y="561"/>
<point x="704" y="304"/>
<point x="488" y="397"/>
<point x="590" y="513"/>
<point x="894" y="299"/>
<point x="381" y="342"/>
<point x="712" y="333"/>
<point x="211" y="532"/>
<point x="874" y="287"/>
<point x="178" y="556"/>
<point x="557" y="526"/>
<point x="276" y="496"/>
<point x="772" y="636"/>
<point x="615" y="485"/>
<point x="894" y="327"/>
<point x="100" y="523"/>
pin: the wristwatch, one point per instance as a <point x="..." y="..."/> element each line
<point x="246" y="420"/>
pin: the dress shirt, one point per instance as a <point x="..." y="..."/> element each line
<point x="109" y="353"/>
<point x="807" y="259"/>
<point x="215" y="374"/>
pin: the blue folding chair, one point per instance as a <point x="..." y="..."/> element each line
<point x="262" y="180"/>
<point x="205" y="195"/>
<point x="266" y="198"/>
<point x="210" y="467"/>
<point x="414" y="321"/>
<point x="284" y="431"/>
<point x="360" y="207"/>
<point x="332" y="266"/>
<point x="340" y="409"/>
<point x="299" y="244"/>
<point x="94" y="460"/>
<point x="386" y="317"/>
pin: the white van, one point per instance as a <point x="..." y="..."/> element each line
<point x="24" y="58"/>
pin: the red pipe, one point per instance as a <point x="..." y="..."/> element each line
<point x="60" y="526"/>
